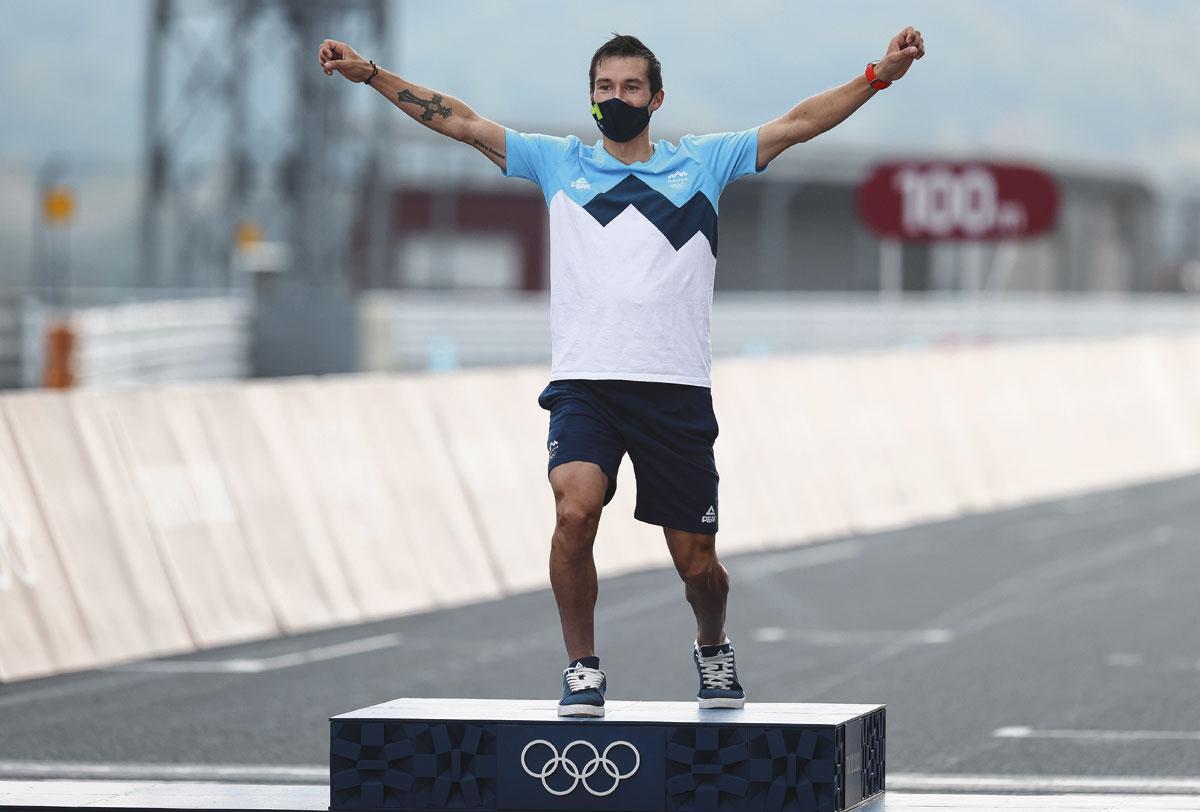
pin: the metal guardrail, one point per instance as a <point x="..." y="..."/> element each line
<point x="206" y="337"/>
<point x="406" y="331"/>
<point x="131" y="342"/>
<point x="160" y="342"/>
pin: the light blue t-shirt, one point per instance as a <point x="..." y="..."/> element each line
<point x="632" y="251"/>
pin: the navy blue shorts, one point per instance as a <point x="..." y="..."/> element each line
<point x="668" y="429"/>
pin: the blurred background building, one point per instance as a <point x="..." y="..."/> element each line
<point x="260" y="218"/>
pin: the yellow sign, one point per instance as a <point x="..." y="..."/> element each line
<point x="58" y="204"/>
<point x="248" y="235"/>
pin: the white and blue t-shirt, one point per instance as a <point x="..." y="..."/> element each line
<point x="633" y="251"/>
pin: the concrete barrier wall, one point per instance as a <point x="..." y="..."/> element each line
<point x="300" y="570"/>
<point x="177" y="487"/>
<point x="42" y="629"/>
<point x="143" y="523"/>
<point x="117" y="581"/>
<point x="328" y="445"/>
<point x="438" y="530"/>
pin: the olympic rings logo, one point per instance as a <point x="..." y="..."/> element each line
<point x="598" y="761"/>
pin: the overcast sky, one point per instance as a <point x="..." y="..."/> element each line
<point x="1105" y="81"/>
<point x="1098" y="78"/>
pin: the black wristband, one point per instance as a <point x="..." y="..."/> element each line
<point x="367" y="81"/>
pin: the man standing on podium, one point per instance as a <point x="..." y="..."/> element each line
<point x="633" y="246"/>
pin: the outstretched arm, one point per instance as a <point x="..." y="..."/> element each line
<point x="825" y="111"/>
<point x="437" y="111"/>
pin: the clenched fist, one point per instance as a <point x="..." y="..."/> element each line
<point x="340" y="57"/>
<point x="901" y="51"/>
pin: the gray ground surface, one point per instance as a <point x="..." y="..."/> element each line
<point x="181" y="795"/>
<point x="1073" y="615"/>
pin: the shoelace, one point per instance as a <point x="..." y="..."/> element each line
<point x="717" y="671"/>
<point x="580" y="678"/>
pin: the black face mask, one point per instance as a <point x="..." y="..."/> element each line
<point x="620" y="121"/>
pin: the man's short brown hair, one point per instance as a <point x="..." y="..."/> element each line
<point x="627" y="45"/>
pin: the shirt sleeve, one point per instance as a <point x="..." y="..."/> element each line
<point x="729" y="156"/>
<point x="533" y="156"/>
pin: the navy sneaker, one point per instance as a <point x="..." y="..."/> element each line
<point x="583" y="688"/>
<point x="719" y="686"/>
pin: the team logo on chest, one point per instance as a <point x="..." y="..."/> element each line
<point x="677" y="223"/>
<point x="678" y="179"/>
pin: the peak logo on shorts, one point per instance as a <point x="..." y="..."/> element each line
<point x="552" y="448"/>
<point x="710" y="516"/>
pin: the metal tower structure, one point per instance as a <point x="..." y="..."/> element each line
<point x="245" y="133"/>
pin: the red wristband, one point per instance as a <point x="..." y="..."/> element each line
<point x="875" y="81"/>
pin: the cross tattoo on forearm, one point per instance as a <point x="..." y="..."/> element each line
<point x="432" y="106"/>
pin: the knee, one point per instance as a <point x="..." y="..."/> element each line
<point x="575" y="525"/>
<point x="709" y="584"/>
<point x="700" y="567"/>
<point x="710" y="578"/>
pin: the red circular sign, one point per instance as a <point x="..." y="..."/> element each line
<point x="940" y="200"/>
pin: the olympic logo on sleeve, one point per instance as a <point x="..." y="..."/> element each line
<point x="575" y="772"/>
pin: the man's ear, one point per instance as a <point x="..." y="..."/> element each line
<point x="656" y="101"/>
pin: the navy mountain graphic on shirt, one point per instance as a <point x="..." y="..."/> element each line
<point x="677" y="223"/>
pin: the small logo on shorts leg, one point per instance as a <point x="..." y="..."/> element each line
<point x="710" y="516"/>
<point x="552" y="448"/>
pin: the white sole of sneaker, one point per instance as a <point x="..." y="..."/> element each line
<point x="722" y="702"/>
<point x="580" y="710"/>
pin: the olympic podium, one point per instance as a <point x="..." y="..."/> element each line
<point x="518" y="755"/>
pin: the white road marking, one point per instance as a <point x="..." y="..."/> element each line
<point x="196" y="795"/>
<point x="1021" y="732"/>
<point x="192" y="795"/>
<point x="911" y="782"/>
<point x="259" y="665"/>
<point x="165" y="772"/>
<point x="319" y="773"/>
<point x="857" y="637"/>
<point x="996" y="602"/>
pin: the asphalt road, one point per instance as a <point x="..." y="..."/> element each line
<point x="1058" y="639"/>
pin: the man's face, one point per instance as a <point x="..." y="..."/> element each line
<point x="626" y="78"/>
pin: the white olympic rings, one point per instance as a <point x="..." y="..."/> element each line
<point x="599" y="760"/>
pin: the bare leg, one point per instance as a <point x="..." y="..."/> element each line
<point x="579" y="489"/>
<point x="706" y="581"/>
